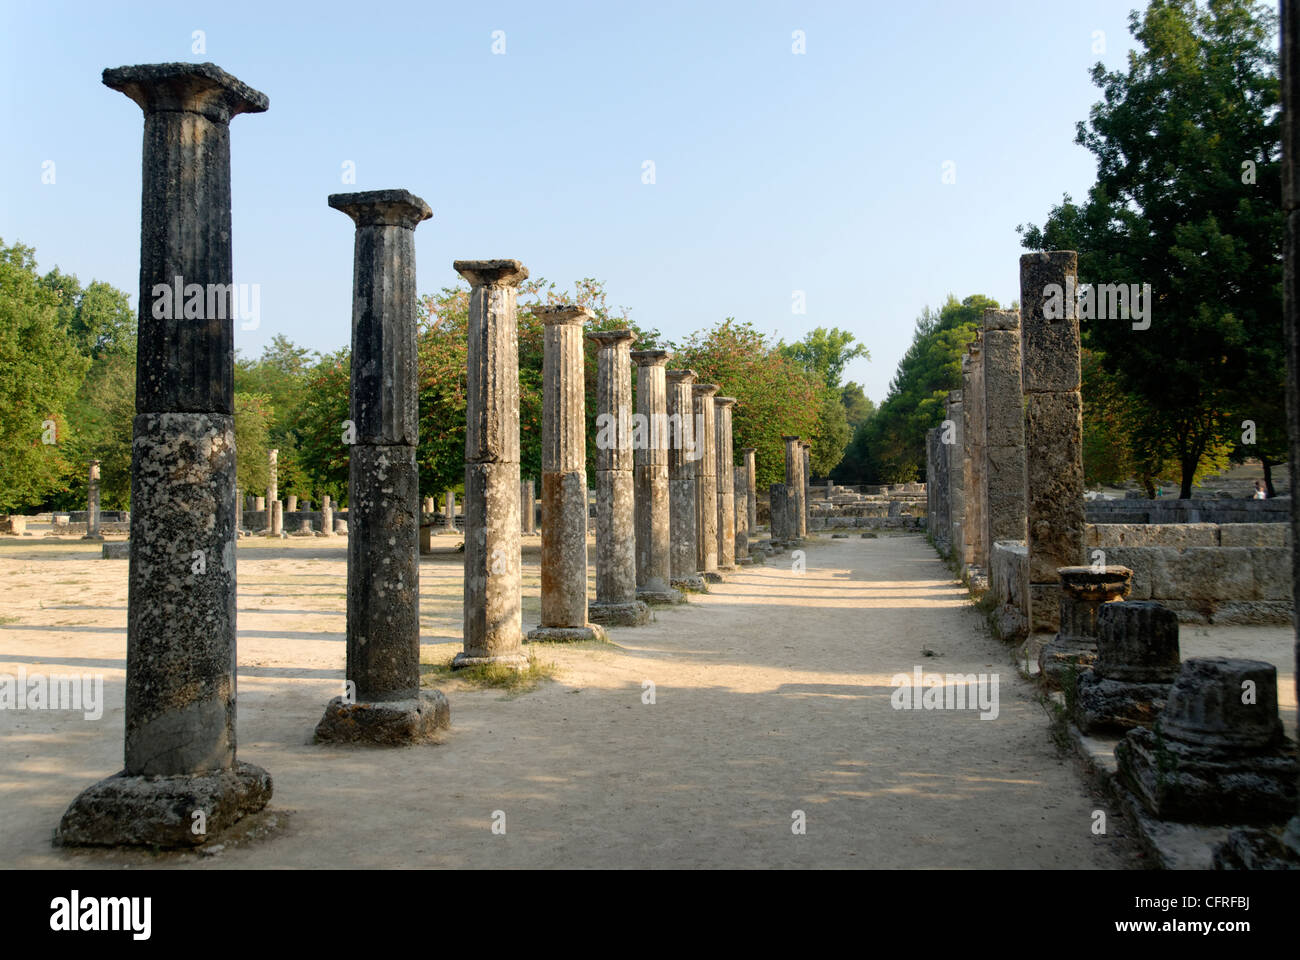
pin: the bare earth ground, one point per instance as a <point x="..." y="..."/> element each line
<point x="772" y="694"/>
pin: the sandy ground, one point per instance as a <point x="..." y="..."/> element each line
<point x="772" y="695"/>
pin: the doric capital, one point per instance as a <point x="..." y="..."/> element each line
<point x="686" y="376"/>
<point x="202" y="88"/>
<point x="705" y="389"/>
<point x="492" y="273"/>
<point x="394" y="208"/>
<point x="611" y="338"/>
<point x="650" y="358"/>
<point x="724" y="401"/>
<point x="563" y="315"/>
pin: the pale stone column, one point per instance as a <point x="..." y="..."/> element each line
<point x="1004" y="429"/>
<point x="751" y="487"/>
<point x="564" y="479"/>
<point x="683" y="455"/>
<point x="449" y="521"/>
<point x="493" y="611"/>
<point x="741" y="488"/>
<point x="616" y="601"/>
<point x="1053" y="427"/>
<point x="528" y="507"/>
<point x="383" y="702"/>
<point x="726" y="473"/>
<point x="650" y="458"/>
<point x="291" y="504"/>
<point x="273" y="477"/>
<point x="327" y="516"/>
<point x="239" y="514"/>
<point x="975" y="527"/>
<point x="794" y="481"/>
<point x="956" y="468"/>
<point x="706" y="487"/>
<point x="428" y="505"/>
<point x="277" y="518"/>
<point x="92" y="504"/>
<point x="180" y="744"/>
<point x="260" y="506"/>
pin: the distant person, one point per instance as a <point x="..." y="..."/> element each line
<point x="1261" y="491"/>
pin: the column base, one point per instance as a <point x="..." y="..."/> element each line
<point x="633" y="613"/>
<point x="1060" y="654"/>
<point x="660" y="598"/>
<point x="126" y="810"/>
<point x="1116" y="705"/>
<point x="387" y="722"/>
<point x="515" y="661"/>
<point x="568" y="634"/>
<point x="692" y="584"/>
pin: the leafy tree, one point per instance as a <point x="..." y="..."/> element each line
<point x="1187" y="142"/>
<point x="825" y="353"/>
<point x="857" y="406"/>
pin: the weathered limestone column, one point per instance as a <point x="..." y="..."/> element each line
<point x="327" y="516"/>
<point x="806" y="466"/>
<point x="1004" y="429"/>
<point x="528" y="506"/>
<point x="428" y="505"/>
<point x="449" y="521"/>
<point x="383" y="702"/>
<point x="493" y="628"/>
<point x="616" y="601"/>
<point x="260" y="505"/>
<point x="273" y="477"/>
<point x="650" y="458"/>
<point x="741" y="494"/>
<point x="683" y="455"/>
<point x="794" y="481"/>
<point x="92" y="504"/>
<point x="1053" y="426"/>
<point x="706" y="485"/>
<point x="239" y="514"/>
<point x="778" y="514"/>
<point x="726" y="473"/>
<point x="976" y="526"/>
<point x="291" y="504"/>
<point x="277" y="518"/>
<point x="955" y="456"/>
<point x="180" y="745"/>
<point x="751" y="487"/>
<point x="1083" y="591"/>
<point x="564" y="479"/>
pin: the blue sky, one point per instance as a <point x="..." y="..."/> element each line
<point x="774" y="172"/>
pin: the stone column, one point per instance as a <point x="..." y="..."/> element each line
<point x="291" y="505"/>
<point x="976" y="525"/>
<point x="1053" y="426"/>
<point x="92" y="505"/>
<point x="706" y="486"/>
<point x="741" y="488"/>
<point x="564" y="479"/>
<point x="383" y="702"/>
<point x="650" y="458"/>
<point x="273" y="477"/>
<point x="260" y="506"/>
<point x="807" y="485"/>
<point x="726" y="473"/>
<point x="528" y="503"/>
<point x="493" y="628"/>
<point x="180" y="745"/>
<point x="1004" y="429"/>
<point x="449" y="521"/>
<point x="1083" y="590"/>
<point x="794" y="481"/>
<point x="327" y="516"/>
<point x="954" y="454"/>
<point x="751" y="487"/>
<point x="277" y="518"/>
<point x="616" y="601"/>
<point x="778" y="514"/>
<point x="239" y="514"/>
<point x="428" y="505"/>
<point x="683" y="455"/>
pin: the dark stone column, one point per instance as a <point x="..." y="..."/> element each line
<point x="1083" y="591"/>
<point x="564" y="479"/>
<point x="493" y="625"/>
<point x="650" y="455"/>
<point x="384" y="703"/>
<point x="683" y="455"/>
<point x="741" y="487"/>
<point x="706" y="486"/>
<point x="528" y="507"/>
<point x="180" y="661"/>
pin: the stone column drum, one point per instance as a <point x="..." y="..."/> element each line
<point x="751" y="487"/>
<point x="493" y="627"/>
<point x="277" y="518"/>
<point x="92" y="504"/>
<point x="650" y="459"/>
<point x="449" y="521"/>
<point x="616" y="601"/>
<point x="1053" y="426"/>
<point x="180" y="745"/>
<point x="706" y="485"/>
<point x="382" y="701"/>
<point x="683" y="455"/>
<point x="291" y="504"/>
<point x="564" y="479"/>
<point x="726" y="473"/>
<point x="794" y="483"/>
<point x="1082" y="591"/>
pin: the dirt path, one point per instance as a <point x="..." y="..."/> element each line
<point x="772" y="695"/>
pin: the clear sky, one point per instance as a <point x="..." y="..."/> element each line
<point x="774" y="171"/>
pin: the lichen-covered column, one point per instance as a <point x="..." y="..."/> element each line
<point x="616" y="602"/>
<point x="1004" y="429"/>
<point x="383" y="702"/>
<point x="92" y="504"/>
<point x="726" y="474"/>
<point x="449" y="521"/>
<point x="751" y="487"/>
<point x="683" y="455"/>
<point x="706" y="486"/>
<point x="1049" y="340"/>
<point x="528" y="505"/>
<point x="794" y="483"/>
<point x="741" y="500"/>
<point x="564" y="479"/>
<point x="180" y="648"/>
<point x="493" y="626"/>
<point x="650" y="459"/>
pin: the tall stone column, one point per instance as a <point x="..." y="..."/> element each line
<point x="955" y="454"/>
<point x="683" y="455"/>
<point x="564" y="479"/>
<point x="92" y="504"/>
<point x="1053" y="427"/>
<point x="493" y="625"/>
<point x="973" y="480"/>
<point x="650" y="459"/>
<point x="751" y="487"/>
<point x="807" y="485"/>
<point x="449" y="521"/>
<point x="741" y="487"/>
<point x="273" y="476"/>
<point x="239" y="514"/>
<point x="383" y="702"/>
<point x="794" y="481"/>
<point x="528" y="507"/>
<point x="327" y="516"/>
<point x="778" y="514"/>
<point x="706" y="487"/>
<point x="616" y="601"/>
<point x="726" y="473"/>
<point x="180" y="745"/>
<point x="1004" y="429"/>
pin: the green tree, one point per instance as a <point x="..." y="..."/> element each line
<point x="1187" y="143"/>
<point x="857" y="406"/>
<point x="825" y="353"/>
